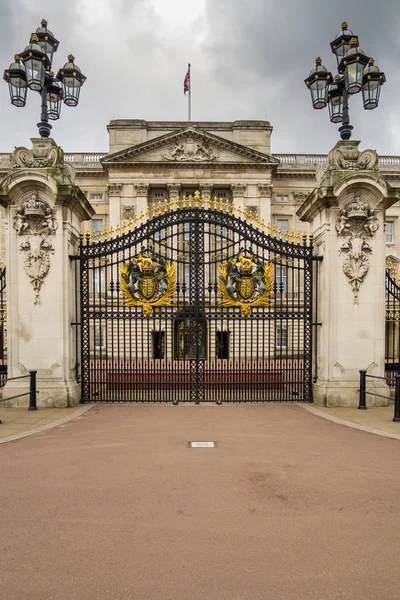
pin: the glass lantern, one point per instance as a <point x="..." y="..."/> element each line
<point x="46" y="40"/>
<point x="371" y="89"/>
<point x="352" y="66"/>
<point x="335" y="100"/>
<point x="341" y="44"/>
<point x="317" y="83"/>
<point x="36" y="63"/>
<point x="15" y="76"/>
<point x="54" y="98"/>
<point x="71" y="80"/>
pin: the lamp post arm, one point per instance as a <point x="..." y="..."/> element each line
<point x="44" y="125"/>
<point x="346" y="128"/>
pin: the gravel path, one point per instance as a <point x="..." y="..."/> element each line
<point x="114" y="506"/>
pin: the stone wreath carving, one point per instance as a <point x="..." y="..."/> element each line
<point x="190" y="150"/>
<point x="35" y="220"/>
<point x="347" y="157"/>
<point x="356" y="223"/>
<point x="41" y="155"/>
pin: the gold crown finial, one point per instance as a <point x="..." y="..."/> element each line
<point x="345" y="25"/>
<point x="71" y="57"/>
<point x="318" y="60"/>
<point x="371" y="61"/>
<point x="43" y="23"/>
<point x="34" y="37"/>
<point x="16" y="57"/>
<point x="337" y="77"/>
<point x="353" y="41"/>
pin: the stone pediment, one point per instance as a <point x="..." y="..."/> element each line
<point x="189" y="146"/>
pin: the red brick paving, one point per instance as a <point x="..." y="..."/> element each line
<point x="114" y="506"/>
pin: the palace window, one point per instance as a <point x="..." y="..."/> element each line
<point x="222" y="344"/>
<point x="158" y="344"/>
<point x="282" y="198"/>
<point x="99" y="337"/>
<point x="97" y="225"/>
<point x="389" y="232"/>
<point x="96" y="197"/>
<point x="281" y="336"/>
<point x="98" y="280"/>
<point x="281" y="276"/>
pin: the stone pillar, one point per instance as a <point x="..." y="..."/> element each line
<point x="142" y="190"/>
<point x="206" y="191"/>
<point x="114" y="200"/>
<point x="265" y="191"/>
<point x="173" y="190"/>
<point x="347" y="213"/>
<point x="238" y="192"/>
<point x="43" y="215"/>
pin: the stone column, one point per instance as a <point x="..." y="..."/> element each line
<point x="43" y="214"/>
<point x="238" y="192"/>
<point x="265" y="191"/>
<point x="173" y="190"/>
<point x="206" y="191"/>
<point x="347" y="213"/>
<point x="114" y="199"/>
<point x="142" y="190"/>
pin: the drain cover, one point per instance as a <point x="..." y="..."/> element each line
<point x="202" y="444"/>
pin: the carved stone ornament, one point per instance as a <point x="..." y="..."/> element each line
<point x="238" y="189"/>
<point x="173" y="189"/>
<point x="300" y="196"/>
<point x="190" y="150"/>
<point x="128" y="212"/>
<point x="205" y="190"/>
<point x="347" y="157"/>
<point x="44" y="153"/>
<point x="356" y="223"/>
<point x="35" y="220"/>
<point x="265" y="190"/>
<point x="142" y="189"/>
<point x="114" y="189"/>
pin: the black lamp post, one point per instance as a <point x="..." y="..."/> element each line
<point x="357" y="74"/>
<point x="32" y="69"/>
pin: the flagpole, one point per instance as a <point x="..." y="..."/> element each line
<point x="190" y="91"/>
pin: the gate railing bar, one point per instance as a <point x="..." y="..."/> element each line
<point x="362" y="403"/>
<point x="32" y="390"/>
<point x="316" y="323"/>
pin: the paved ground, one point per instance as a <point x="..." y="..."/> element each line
<point x="114" y="506"/>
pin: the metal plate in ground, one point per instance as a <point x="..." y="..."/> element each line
<point x="202" y="445"/>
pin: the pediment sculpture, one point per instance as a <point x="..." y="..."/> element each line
<point x="190" y="150"/>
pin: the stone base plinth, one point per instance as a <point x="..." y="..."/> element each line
<point x="51" y="393"/>
<point x="346" y="393"/>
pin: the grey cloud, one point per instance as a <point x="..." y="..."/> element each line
<point x="249" y="59"/>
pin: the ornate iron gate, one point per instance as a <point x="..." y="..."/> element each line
<point x="196" y="305"/>
<point x="392" y="324"/>
<point x="3" y="327"/>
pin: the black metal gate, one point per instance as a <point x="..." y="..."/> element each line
<point x="196" y="305"/>
<point x="3" y="327"/>
<point x="392" y="323"/>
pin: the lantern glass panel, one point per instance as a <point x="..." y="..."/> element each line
<point x="53" y="104"/>
<point x="18" y="89"/>
<point x="371" y="92"/>
<point x="335" y="106"/>
<point x="34" y="74"/>
<point x="47" y="48"/>
<point x="71" y="89"/>
<point x="353" y="77"/>
<point x="319" y="93"/>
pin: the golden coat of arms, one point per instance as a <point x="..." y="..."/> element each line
<point x="148" y="281"/>
<point x="245" y="282"/>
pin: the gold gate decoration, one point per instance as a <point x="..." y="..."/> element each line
<point x="148" y="281"/>
<point x="245" y="282"/>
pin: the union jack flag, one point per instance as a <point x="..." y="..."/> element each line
<point x="186" y="83"/>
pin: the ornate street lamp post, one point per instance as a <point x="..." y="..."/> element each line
<point x="32" y="69"/>
<point x="357" y="74"/>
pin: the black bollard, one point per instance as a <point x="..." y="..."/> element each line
<point x="396" y="417"/>
<point x="362" y="403"/>
<point x="32" y="391"/>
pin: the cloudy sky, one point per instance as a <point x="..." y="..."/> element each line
<point x="249" y="60"/>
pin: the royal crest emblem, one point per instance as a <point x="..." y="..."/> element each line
<point x="148" y="281"/>
<point x="245" y="282"/>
